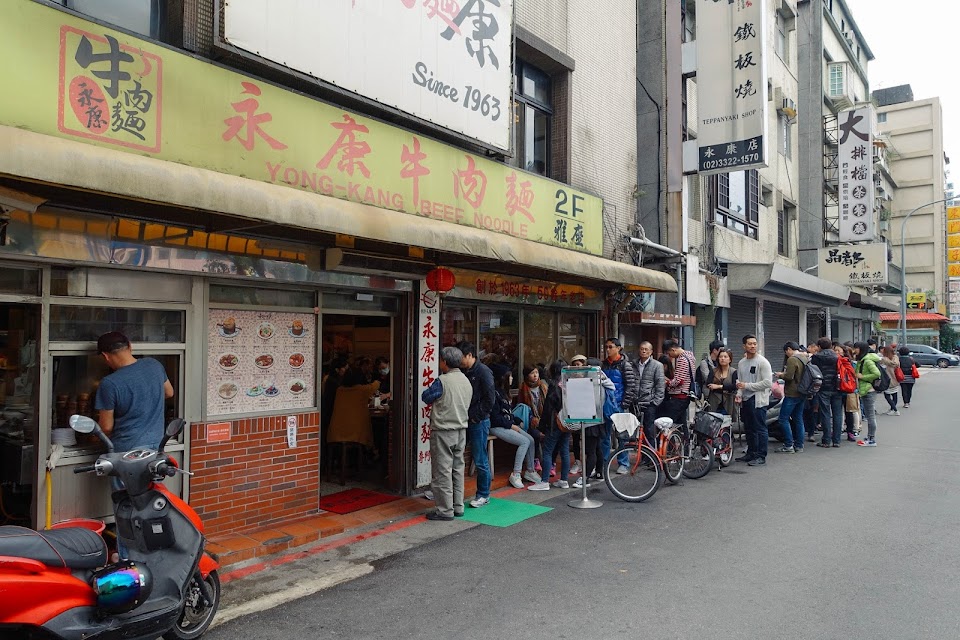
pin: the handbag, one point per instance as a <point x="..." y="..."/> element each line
<point x="852" y="403"/>
<point x="898" y="374"/>
<point x="914" y="371"/>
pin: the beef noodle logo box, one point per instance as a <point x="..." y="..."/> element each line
<point x="260" y="361"/>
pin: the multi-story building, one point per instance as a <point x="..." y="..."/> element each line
<point x="833" y="67"/>
<point x="915" y="129"/>
<point x="742" y="230"/>
<point x="253" y="190"/>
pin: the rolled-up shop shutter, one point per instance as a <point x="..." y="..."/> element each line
<point x="781" y="324"/>
<point x="741" y="320"/>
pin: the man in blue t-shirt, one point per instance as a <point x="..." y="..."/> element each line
<point x="131" y="399"/>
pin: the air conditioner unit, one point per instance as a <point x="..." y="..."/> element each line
<point x="788" y="108"/>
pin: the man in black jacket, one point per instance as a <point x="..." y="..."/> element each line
<point x="829" y="397"/>
<point x="478" y="418"/>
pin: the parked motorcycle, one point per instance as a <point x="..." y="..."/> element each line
<point x="59" y="583"/>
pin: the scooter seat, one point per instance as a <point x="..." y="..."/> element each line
<point x="72" y="548"/>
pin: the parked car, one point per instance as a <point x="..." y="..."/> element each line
<point x="924" y="355"/>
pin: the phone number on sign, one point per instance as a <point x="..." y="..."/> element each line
<point x="730" y="162"/>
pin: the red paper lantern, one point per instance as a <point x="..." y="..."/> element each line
<point x="441" y="280"/>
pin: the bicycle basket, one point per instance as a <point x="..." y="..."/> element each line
<point x="707" y="424"/>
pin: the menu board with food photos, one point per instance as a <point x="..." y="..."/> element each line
<point x="260" y="361"/>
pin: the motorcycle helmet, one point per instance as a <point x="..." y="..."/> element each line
<point x="122" y="586"/>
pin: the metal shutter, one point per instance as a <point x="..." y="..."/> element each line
<point x="781" y="323"/>
<point x="741" y="320"/>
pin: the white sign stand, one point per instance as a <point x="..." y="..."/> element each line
<point x="582" y="407"/>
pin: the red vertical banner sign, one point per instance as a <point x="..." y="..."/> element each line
<point x="427" y="368"/>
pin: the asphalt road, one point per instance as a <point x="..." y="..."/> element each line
<point x="832" y="543"/>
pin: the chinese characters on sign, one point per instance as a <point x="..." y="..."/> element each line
<point x="856" y="186"/>
<point x="447" y="62"/>
<point x="731" y="85"/>
<point x="115" y="87"/>
<point x="863" y="264"/>
<point x="953" y="261"/>
<point x="114" y="91"/>
<point x="426" y="368"/>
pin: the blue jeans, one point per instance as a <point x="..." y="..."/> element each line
<point x="792" y="408"/>
<point x="831" y="415"/>
<point x="755" y="424"/>
<point x="523" y="441"/>
<point x="605" y="448"/>
<point x="477" y="439"/>
<point x="555" y="439"/>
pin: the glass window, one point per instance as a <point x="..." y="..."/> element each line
<point x="781" y="41"/>
<point x="738" y="201"/>
<point x="139" y="16"/>
<point x="17" y="280"/>
<point x="785" y="139"/>
<point x="457" y="324"/>
<point x="782" y="232"/>
<point x="533" y="111"/>
<point x="539" y="337"/>
<point x="86" y="324"/>
<point x="836" y="79"/>
<point x="262" y="297"/>
<point x="881" y="117"/>
<point x="500" y="338"/>
<point x="75" y="382"/>
<point x="535" y="84"/>
<point x="574" y="332"/>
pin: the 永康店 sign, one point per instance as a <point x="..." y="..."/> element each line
<point x="731" y="85"/>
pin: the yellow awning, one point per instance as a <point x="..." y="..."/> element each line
<point x="53" y="160"/>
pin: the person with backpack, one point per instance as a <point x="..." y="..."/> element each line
<point x="847" y="384"/>
<point x="910" y="374"/>
<point x="830" y="398"/>
<point x="869" y="372"/>
<point x="791" y="409"/>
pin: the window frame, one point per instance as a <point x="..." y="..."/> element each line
<point x="748" y="223"/>
<point x="522" y="103"/>
<point x="780" y="43"/>
<point x="784" y="136"/>
<point x="783" y="235"/>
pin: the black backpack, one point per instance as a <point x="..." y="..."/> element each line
<point x="810" y="380"/>
<point x="882" y="383"/>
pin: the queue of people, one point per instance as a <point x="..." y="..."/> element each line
<point x="824" y="386"/>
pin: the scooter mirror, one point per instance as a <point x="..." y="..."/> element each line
<point x="82" y="424"/>
<point x="174" y="427"/>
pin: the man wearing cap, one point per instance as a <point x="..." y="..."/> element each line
<point x="131" y="399"/>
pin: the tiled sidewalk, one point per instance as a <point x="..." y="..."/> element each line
<point x="280" y="538"/>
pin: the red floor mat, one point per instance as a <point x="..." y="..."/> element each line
<point x="354" y="500"/>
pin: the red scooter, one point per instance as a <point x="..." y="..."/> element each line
<point x="59" y="583"/>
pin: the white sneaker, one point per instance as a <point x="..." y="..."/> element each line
<point x="515" y="480"/>
<point x="561" y="484"/>
<point x="622" y="470"/>
<point x="532" y="476"/>
<point x="476" y="503"/>
<point x="428" y="495"/>
<point x="579" y="483"/>
<point x="895" y="413"/>
<point x="575" y="469"/>
<point x="540" y="486"/>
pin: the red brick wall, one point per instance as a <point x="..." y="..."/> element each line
<point x="255" y="479"/>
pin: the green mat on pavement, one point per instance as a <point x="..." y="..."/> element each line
<point x="503" y="513"/>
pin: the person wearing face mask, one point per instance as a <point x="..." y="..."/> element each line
<point x="382" y="373"/>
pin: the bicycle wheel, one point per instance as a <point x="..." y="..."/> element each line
<point x="642" y="478"/>
<point x="701" y="458"/>
<point x="673" y="461"/>
<point x="725" y="447"/>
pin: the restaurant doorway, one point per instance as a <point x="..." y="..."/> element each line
<point x="360" y="404"/>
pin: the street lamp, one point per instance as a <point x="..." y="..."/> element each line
<point x="903" y="268"/>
